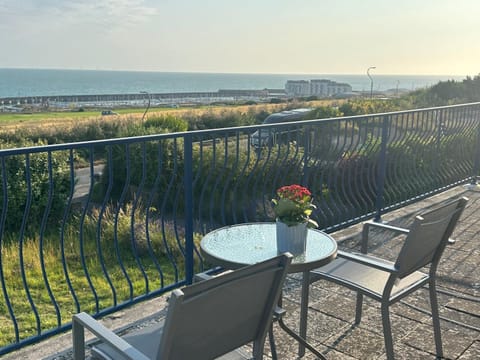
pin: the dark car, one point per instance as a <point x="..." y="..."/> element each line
<point x="108" y="112"/>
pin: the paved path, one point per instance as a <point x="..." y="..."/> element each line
<point x="83" y="181"/>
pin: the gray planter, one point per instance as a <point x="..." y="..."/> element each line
<point x="292" y="239"/>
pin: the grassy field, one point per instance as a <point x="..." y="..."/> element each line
<point x="13" y="121"/>
<point x="30" y="277"/>
<point x="36" y="271"/>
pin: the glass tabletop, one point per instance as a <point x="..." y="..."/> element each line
<point x="238" y="245"/>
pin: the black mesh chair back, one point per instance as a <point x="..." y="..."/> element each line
<point x="428" y="237"/>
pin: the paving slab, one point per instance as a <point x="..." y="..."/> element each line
<point x="472" y="352"/>
<point x="455" y="339"/>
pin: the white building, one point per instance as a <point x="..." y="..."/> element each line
<point x="317" y="87"/>
<point x="297" y="88"/>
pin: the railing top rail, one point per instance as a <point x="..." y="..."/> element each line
<point x="136" y="139"/>
<point x="87" y="144"/>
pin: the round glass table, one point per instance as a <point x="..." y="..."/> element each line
<point x="235" y="246"/>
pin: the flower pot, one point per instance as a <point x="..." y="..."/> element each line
<point x="291" y="238"/>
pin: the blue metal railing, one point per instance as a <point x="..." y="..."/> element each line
<point x="96" y="226"/>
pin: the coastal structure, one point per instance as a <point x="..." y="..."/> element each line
<point x="316" y="87"/>
<point x="17" y="104"/>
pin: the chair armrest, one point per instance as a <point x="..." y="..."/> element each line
<point x="206" y="276"/>
<point x="201" y="277"/>
<point x="371" y="223"/>
<point x="368" y="260"/>
<point x="83" y="320"/>
<point x="387" y="227"/>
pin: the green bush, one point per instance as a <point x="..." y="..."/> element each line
<point x="227" y="185"/>
<point x="167" y="122"/>
<point x="39" y="202"/>
<point x="217" y="120"/>
<point x="363" y="107"/>
<point x="233" y="188"/>
<point x="94" y="130"/>
<point x="129" y="161"/>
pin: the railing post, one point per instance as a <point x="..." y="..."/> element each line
<point x="382" y="167"/>
<point x="476" y="162"/>
<point x="188" y="181"/>
<point x="306" y="155"/>
<point x="440" y="131"/>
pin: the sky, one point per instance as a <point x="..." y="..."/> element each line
<point x="405" y="37"/>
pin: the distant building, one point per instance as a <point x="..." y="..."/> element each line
<point x="317" y="87"/>
<point x="297" y="88"/>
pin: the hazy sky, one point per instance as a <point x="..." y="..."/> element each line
<point x="244" y="36"/>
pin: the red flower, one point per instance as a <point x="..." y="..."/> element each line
<point x="294" y="193"/>
<point x="294" y="205"/>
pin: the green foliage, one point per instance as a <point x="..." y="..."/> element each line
<point x="426" y="162"/>
<point x="167" y="123"/>
<point x="239" y="185"/>
<point x="223" y="119"/>
<point x="143" y="162"/>
<point x="95" y="130"/>
<point x="260" y="116"/>
<point x="443" y="93"/>
<point x="126" y="228"/>
<point x="101" y="260"/>
<point x="362" y="107"/>
<point x="28" y="194"/>
<point x="324" y="112"/>
<point x="224" y="179"/>
<point x="448" y="92"/>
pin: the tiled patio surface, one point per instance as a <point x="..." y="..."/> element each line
<point x="331" y="308"/>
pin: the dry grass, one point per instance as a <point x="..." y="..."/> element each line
<point x="36" y="266"/>
<point x="12" y="122"/>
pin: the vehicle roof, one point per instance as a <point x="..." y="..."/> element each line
<point x="287" y="115"/>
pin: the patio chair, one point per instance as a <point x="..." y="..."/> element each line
<point x="388" y="282"/>
<point x="206" y="320"/>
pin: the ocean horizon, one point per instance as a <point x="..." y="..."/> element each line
<point x="49" y="82"/>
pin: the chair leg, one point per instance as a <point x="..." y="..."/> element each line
<point x="78" y="335"/>
<point x="257" y="351"/>
<point x="435" y="318"/>
<point x="273" y="347"/>
<point x="387" y="331"/>
<point x="358" y="308"/>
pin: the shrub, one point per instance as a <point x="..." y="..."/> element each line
<point x="167" y="122"/>
<point x="27" y="189"/>
<point x="217" y="120"/>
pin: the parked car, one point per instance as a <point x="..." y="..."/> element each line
<point x="108" y="112"/>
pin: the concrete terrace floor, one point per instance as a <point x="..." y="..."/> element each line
<point x="332" y="308"/>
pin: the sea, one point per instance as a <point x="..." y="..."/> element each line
<point x="47" y="82"/>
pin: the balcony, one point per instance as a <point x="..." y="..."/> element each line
<point x="130" y="235"/>
<point x="332" y="309"/>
